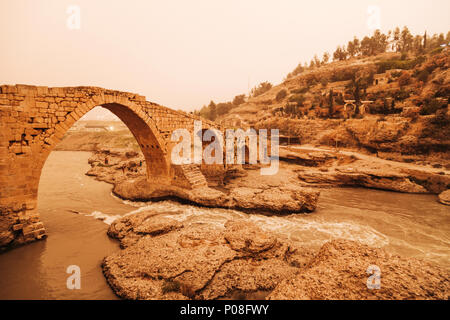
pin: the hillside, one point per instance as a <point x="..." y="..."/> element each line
<point x="391" y="104"/>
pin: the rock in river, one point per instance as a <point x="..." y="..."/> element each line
<point x="444" y="197"/>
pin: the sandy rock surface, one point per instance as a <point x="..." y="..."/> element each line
<point x="164" y="257"/>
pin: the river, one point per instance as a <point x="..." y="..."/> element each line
<point x="76" y="210"/>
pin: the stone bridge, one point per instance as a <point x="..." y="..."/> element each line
<point x="33" y="119"/>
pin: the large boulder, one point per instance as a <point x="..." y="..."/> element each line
<point x="444" y="197"/>
<point x="268" y="198"/>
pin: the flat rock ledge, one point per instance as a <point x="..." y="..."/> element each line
<point x="161" y="258"/>
<point x="281" y="199"/>
<point x="362" y="173"/>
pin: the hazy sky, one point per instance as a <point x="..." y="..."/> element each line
<point x="184" y="53"/>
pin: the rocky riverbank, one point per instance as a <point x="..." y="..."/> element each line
<point x="246" y="191"/>
<point x="164" y="257"/>
<point x="295" y="188"/>
<point x="444" y="197"/>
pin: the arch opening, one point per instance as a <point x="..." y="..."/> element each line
<point x="153" y="152"/>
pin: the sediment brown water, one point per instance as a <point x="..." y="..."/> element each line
<point x="406" y="224"/>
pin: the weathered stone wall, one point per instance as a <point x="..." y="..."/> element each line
<point x="34" y="119"/>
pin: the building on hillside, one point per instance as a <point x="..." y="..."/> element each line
<point x="380" y="78"/>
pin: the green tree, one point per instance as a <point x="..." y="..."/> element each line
<point x="379" y="42"/>
<point x="316" y="61"/>
<point x="238" y="100"/>
<point x="204" y="112"/>
<point x="425" y="41"/>
<point x="353" y="47"/>
<point x="299" y="69"/>
<point x="212" y="111"/>
<point x="441" y="39"/>
<point x="367" y="46"/>
<point x="340" y="54"/>
<point x="224" y="108"/>
<point x="325" y="58"/>
<point x="417" y="44"/>
<point x="298" y="99"/>
<point x="406" y="40"/>
<point x="330" y="102"/>
<point x="261" y="88"/>
<point x="396" y="40"/>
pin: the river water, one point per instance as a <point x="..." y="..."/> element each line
<point x="76" y="210"/>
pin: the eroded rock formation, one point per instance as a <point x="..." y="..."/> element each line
<point x="166" y="257"/>
<point x="350" y="169"/>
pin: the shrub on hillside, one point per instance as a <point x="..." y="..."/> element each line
<point x="411" y="112"/>
<point x="344" y="74"/>
<point x="384" y="65"/>
<point x="300" y="90"/>
<point x="311" y="80"/>
<point x="238" y="100"/>
<point x="281" y="95"/>
<point x="423" y="75"/>
<point x="441" y="119"/>
<point x="266" y="102"/>
<point x="443" y="92"/>
<point x="404" y="79"/>
<point x="299" y="99"/>
<point x="261" y="88"/>
<point x="430" y="107"/>
<point x="224" y="108"/>
<point x="401" y="94"/>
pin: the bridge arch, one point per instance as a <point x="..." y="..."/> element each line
<point x="142" y="127"/>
